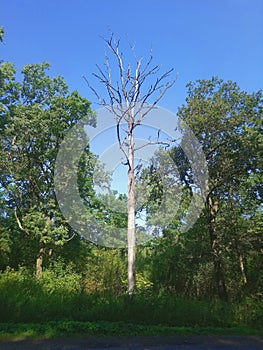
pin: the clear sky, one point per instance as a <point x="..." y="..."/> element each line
<point x="199" y="38"/>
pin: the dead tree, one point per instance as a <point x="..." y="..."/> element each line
<point x="130" y="100"/>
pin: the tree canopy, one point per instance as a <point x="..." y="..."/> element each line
<point x="219" y="257"/>
<point x="35" y="114"/>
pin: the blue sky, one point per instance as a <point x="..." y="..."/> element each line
<point x="199" y="38"/>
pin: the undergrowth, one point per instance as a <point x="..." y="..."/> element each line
<point x="24" y="299"/>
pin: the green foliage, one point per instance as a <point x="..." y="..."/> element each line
<point x="226" y="122"/>
<point x="102" y="328"/>
<point x="5" y="243"/>
<point x="35" y="115"/>
<point x="105" y="271"/>
<point x="177" y="281"/>
<point x="60" y="278"/>
<point x="60" y="295"/>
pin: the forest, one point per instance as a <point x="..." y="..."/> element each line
<point x="208" y="276"/>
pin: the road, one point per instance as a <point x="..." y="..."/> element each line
<point x="139" y="343"/>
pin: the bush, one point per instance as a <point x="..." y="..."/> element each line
<point x="58" y="296"/>
<point x="60" y="278"/>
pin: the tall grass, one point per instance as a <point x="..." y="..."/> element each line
<point x="56" y="298"/>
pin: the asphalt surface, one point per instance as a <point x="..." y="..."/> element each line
<point x="139" y="343"/>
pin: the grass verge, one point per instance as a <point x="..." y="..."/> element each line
<point x="21" y="331"/>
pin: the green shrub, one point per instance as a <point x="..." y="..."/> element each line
<point x="59" y="296"/>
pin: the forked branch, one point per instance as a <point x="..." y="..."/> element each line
<point x="130" y="100"/>
<point x="127" y="92"/>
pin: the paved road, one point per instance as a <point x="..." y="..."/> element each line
<point x="140" y="343"/>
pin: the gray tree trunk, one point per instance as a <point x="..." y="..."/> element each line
<point x="39" y="262"/>
<point x="215" y="249"/>
<point x="124" y="96"/>
<point x="131" y="239"/>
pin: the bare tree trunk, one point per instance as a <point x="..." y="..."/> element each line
<point x="218" y="268"/>
<point x="131" y="219"/>
<point x="124" y="96"/>
<point x="242" y="265"/>
<point x="39" y="262"/>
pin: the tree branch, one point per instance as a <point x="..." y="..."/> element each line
<point x="126" y="101"/>
<point x="150" y="143"/>
<point x="19" y="223"/>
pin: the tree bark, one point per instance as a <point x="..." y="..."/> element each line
<point x="125" y="96"/>
<point x="215" y="249"/>
<point x="241" y="265"/>
<point x="131" y="239"/>
<point x="39" y="262"/>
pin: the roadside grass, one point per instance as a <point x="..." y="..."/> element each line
<point x="48" y="330"/>
<point x="50" y="307"/>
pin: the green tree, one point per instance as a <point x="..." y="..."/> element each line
<point x="226" y="122"/>
<point x="34" y="117"/>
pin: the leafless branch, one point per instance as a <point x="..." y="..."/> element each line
<point x="150" y="143"/>
<point x="121" y="142"/>
<point x="100" y="99"/>
<point x="127" y="102"/>
<point x="70" y="238"/>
